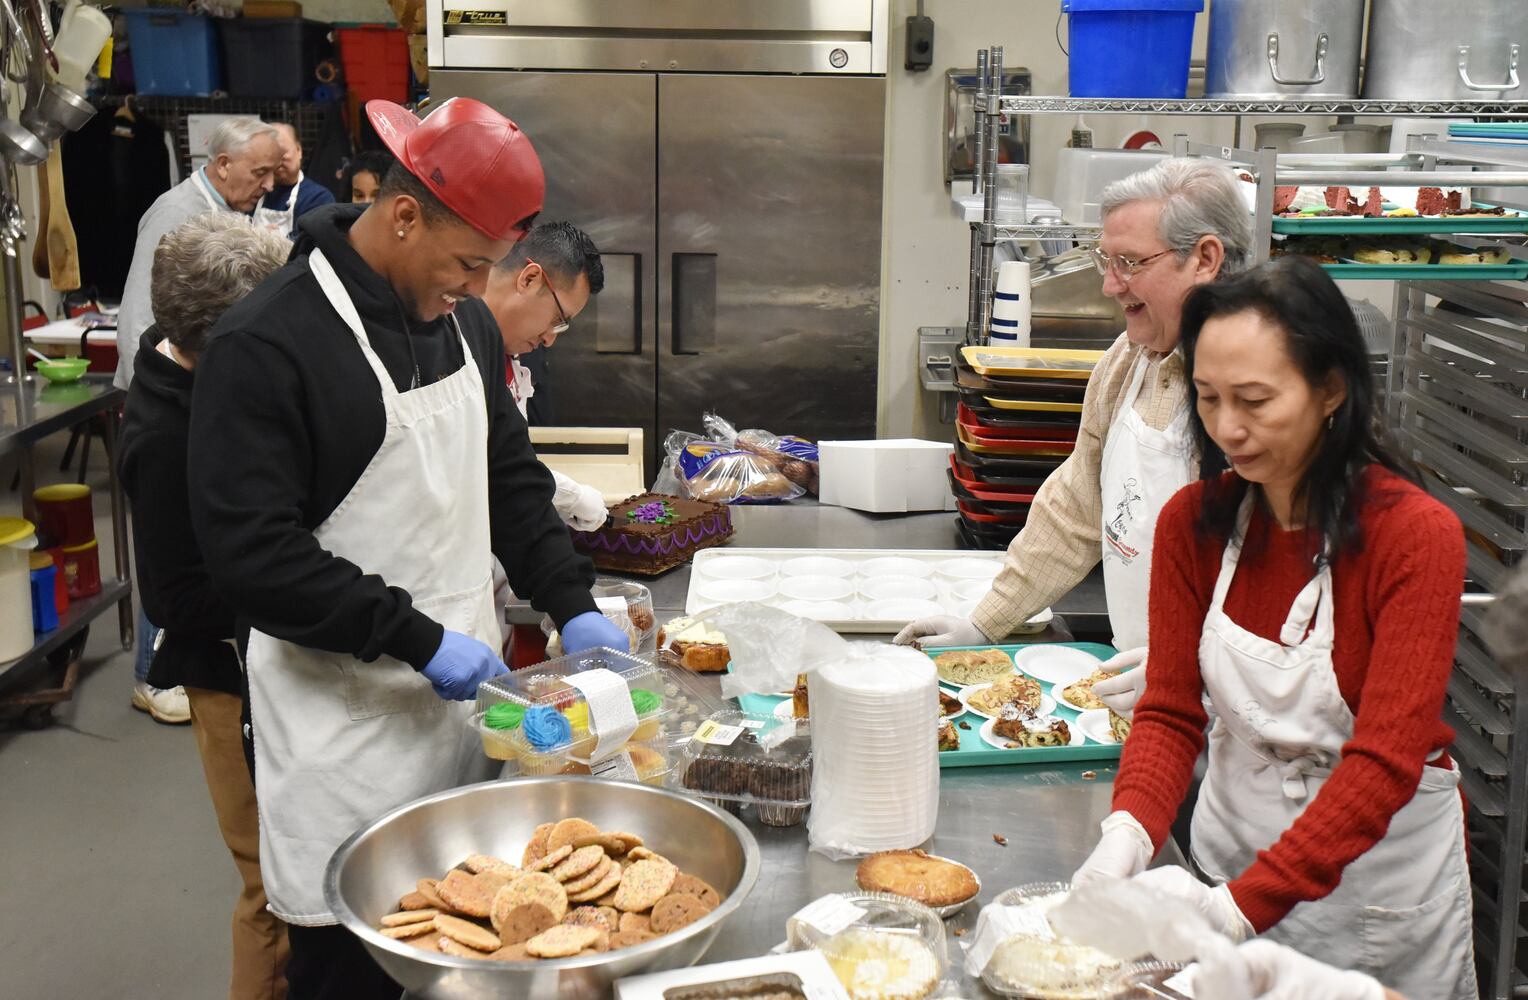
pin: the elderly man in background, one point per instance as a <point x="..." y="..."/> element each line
<point x="200" y="269"/>
<point x="1166" y="230"/>
<point x="242" y="157"/>
<point x="293" y="195"/>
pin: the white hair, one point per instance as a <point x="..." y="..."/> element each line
<point x="205" y="265"/>
<point x="1198" y="198"/>
<point x="233" y="134"/>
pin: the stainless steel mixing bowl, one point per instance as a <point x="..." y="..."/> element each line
<point x="425" y="838"/>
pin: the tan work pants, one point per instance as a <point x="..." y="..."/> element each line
<point x="259" y="938"/>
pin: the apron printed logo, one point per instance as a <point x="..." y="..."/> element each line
<point x="1124" y="516"/>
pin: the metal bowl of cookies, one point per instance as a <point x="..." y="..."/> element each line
<point x="540" y="887"/>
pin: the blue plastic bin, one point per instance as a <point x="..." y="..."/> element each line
<point x="1130" y="48"/>
<point x="174" y="54"/>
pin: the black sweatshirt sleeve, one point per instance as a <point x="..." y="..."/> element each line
<point x="251" y="461"/>
<point x="528" y="537"/>
<point x="172" y="579"/>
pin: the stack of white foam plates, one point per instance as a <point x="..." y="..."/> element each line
<point x="875" y="779"/>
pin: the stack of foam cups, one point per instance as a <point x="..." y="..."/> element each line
<point x="875" y="780"/>
<point x="1010" y="305"/>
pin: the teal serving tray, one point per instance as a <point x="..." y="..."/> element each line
<point x="1516" y="271"/>
<point x="1355" y="225"/>
<point x="976" y="752"/>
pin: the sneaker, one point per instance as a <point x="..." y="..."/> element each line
<point x="167" y="705"/>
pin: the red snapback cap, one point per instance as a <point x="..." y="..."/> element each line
<point x="472" y="158"/>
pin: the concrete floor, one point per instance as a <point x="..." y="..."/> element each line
<point x="116" y="881"/>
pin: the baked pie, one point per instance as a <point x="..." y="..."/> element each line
<point x="930" y="880"/>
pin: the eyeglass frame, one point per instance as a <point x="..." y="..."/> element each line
<point x="1105" y="263"/>
<point x="562" y="314"/>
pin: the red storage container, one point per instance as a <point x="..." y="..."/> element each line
<point x="82" y="569"/>
<point x="376" y="62"/>
<point x="64" y="513"/>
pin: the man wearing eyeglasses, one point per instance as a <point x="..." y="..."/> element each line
<point x="355" y="457"/>
<point x="534" y="293"/>
<point x="1166" y="230"/>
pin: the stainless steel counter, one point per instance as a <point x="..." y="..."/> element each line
<point x="810" y="525"/>
<point x="1048" y="813"/>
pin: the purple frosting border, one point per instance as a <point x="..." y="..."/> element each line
<point x="683" y="536"/>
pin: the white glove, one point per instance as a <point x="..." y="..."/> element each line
<point x="1275" y="972"/>
<point x="1213" y="902"/>
<point x="1121" y="693"/>
<point x="942" y="630"/>
<point x="582" y="507"/>
<point x="1122" y="851"/>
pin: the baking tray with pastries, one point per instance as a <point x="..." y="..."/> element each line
<point x="576" y="890"/>
<point x="1390" y="250"/>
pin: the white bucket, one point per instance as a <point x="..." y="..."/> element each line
<point x="17" y="539"/>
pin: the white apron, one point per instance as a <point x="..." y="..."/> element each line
<point x="1402" y="910"/>
<point x="1140" y="470"/>
<point x="280" y="221"/>
<point x="521" y="388"/>
<point x="338" y="741"/>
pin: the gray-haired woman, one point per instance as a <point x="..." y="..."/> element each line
<point x="200" y="269"/>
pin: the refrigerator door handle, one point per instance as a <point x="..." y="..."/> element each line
<point x="693" y="277"/>
<point x="618" y="309"/>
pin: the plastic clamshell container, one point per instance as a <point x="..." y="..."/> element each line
<point x="1140" y="981"/>
<point x="1033" y="967"/>
<point x="849" y="928"/>
<point x="727" y="763"/>
<point x="545" y="686"/>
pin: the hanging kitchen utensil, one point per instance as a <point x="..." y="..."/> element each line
<point x="40" y="246"/>
<point x="63" y="251"/>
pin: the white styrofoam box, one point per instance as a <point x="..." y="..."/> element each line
<point x="887" y="476"/>
<point x="817" y="979"/>
<point x="1082" y="175"/>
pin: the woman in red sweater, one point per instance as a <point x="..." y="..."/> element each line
<point x="1311" y="595"/>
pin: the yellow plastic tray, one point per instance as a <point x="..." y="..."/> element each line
<point x="1022" y="451"/>
<point x="1032" y="404"/>
<point x="1032" y="362"/>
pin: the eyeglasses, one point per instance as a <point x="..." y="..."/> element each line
<point x="562" y="314"/>
<point x="1124" y="268"/>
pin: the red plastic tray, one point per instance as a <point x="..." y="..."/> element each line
<point x="984" y="491"/>
<point x="980" y="518"/>
<point x="1031" y="431"/>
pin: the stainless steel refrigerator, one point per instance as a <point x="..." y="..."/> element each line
<point x="738" y="214"/>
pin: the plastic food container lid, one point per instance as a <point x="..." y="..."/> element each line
<point x="1130" y="6"/>
<point x="769" y="758"/>
<point x="1040" y="966"/>
<point x="556" y="717"/>
<point x="879" y="945"/>
<point x="1131" y="981"/>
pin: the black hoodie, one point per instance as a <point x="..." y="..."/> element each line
<point x="287" y="415"/>
<point x="172" y="579"/>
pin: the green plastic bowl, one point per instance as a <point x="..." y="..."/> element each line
<point x="63" y="369"/>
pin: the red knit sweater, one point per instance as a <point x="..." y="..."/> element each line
<point x="1396" y="608"/>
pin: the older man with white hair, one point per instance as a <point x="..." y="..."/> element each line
<point x="242" y="157"/>
<point x="295" y="194"/>
<point x="1166" y="230"/>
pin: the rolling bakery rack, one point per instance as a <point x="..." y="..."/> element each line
<point x="1456" y="403"/>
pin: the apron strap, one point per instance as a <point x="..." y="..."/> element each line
<point x="1311" y="611"/>
<point x="1232" y="555"/>
<point x="339" y="298"/>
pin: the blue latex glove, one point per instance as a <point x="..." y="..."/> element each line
<point x="590" y="630"/>
<point x="460" y="665"/>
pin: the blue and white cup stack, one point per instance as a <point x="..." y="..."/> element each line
<point x="1010" y="305"/>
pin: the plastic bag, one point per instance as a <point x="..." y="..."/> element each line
<point x="793" y="457"/>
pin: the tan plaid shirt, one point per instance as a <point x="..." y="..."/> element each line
<point x="1062" y="538"/>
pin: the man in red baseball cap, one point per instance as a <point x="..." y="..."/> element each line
<point x="355" y="456"/>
